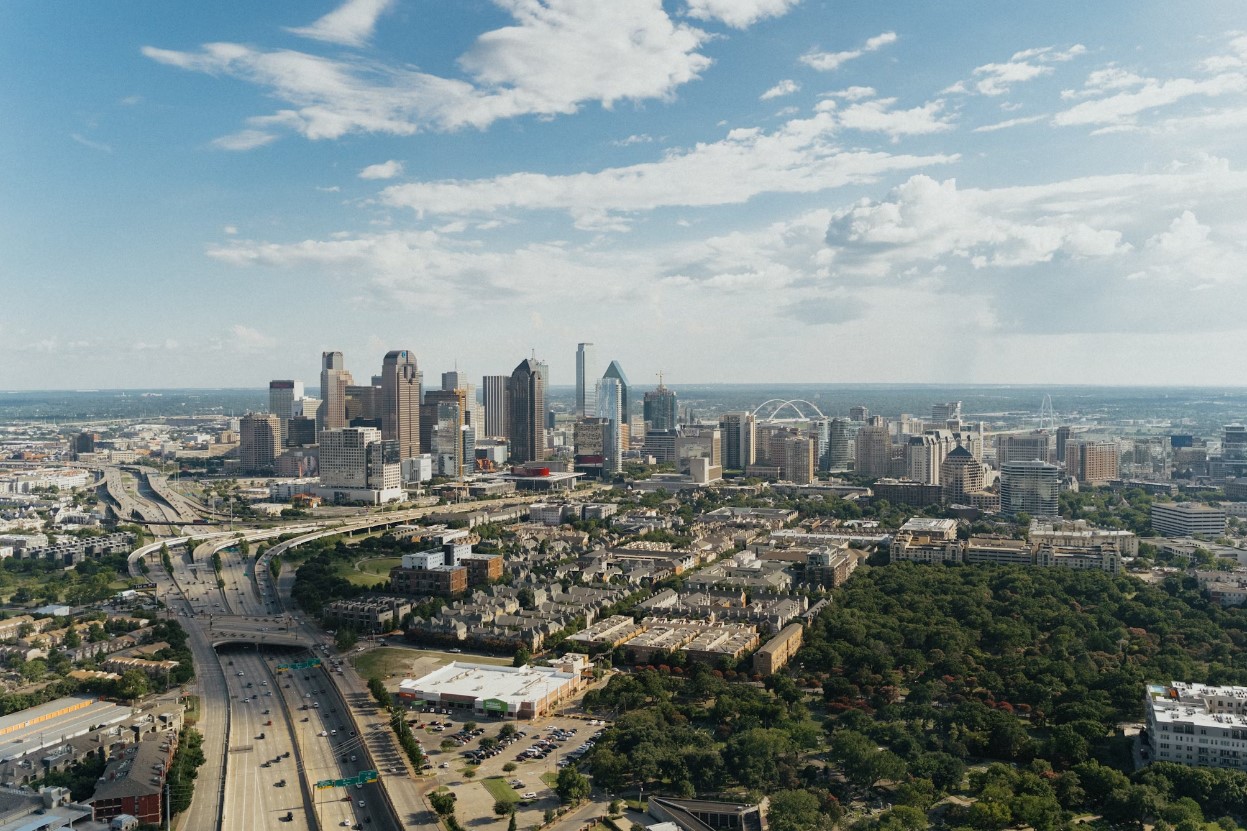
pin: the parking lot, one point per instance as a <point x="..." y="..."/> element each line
<point x="535" y="749"/>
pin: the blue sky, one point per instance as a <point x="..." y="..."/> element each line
<point x="210" y="194"/>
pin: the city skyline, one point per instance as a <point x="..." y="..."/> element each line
<point x="211" y="196"/>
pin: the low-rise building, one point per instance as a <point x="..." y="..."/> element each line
<point x="609" y="632"/>
<point x="778" y="651"/>
<point x="372" y="614"/>
<point x="1197" y="724"/>
<point x="509" y="692"/>
<point x="1187" y="519"/>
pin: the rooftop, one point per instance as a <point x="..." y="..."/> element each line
<point x="482" y="681"/>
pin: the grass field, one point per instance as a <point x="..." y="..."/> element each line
<point x="379" y="566"/>
<point x="387" y="660"/>
<point x="500" y="790"/>
<point x="551" y="779"/>
<point x="359" y="578"/>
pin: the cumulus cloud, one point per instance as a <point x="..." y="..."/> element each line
<point x="998" y="78"/>
<point x="1121" y="109"/>
<point x="739" y="14"/>
<point x="559" y="55"/>
<point x="351" y="24"/>
<point x="877" y="116"/>
<point x="799" y="157"/>
<point x="784" y="87"/>
<point x="827" y="61"/>
<point x="383" y="170"/>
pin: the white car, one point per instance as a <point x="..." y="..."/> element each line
<point x="528" y="795"/>
<point x="361" y="803"/>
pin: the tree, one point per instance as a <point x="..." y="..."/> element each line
<point x="502" y="807"/>
<point x="443" y="804"/>
<point x="345" y="638"/>
<point x="133" y="685"/>
<point x="571" y="786"/>
<point x="511" y="822"/>
<point x="796" y="811"/>
<point x="522" y="657"/>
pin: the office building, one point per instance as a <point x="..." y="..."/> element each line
<point x="660" y="408"/>
<point x="586" y="372"/>
<point x="610" y="407"/>
<point x="660" y="444"/>
<point x="740" y="436"/>
<point x="527" y="404"/>
<point x="795" y="456"/>
<point x="1233" y="463"/>
<point x="1092" y="462"/>
<point x="859" y="413"/>
<point x="1187" y="519"/>
<point x="698" y="443"/>
<point x="259" y="442"/>
<point x="925" y="453"/>
<point x="941" y="414"/>
<point x="873" y="448"/>
<point x="960" y="475"/>
<point x="400" y="402"/>
<point x="334" y="379"/>
<point x="1032" y="487"/>
<point x="494" y="391"/>
<point x="301" y="431"/>
<point x="281" y="398"/>
<point x="1023" y="447"/>
<point x="363" y="405"/>
<point x="357" y="465"/>
<point x="1062" y="437"/>
<point x="614" y="370"/>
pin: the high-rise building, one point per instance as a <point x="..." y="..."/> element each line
<point x="363" y="403"/>
<point x="625" y="401"/>
<point x="660" y="408"/>
<point x="527" y="404"/>
<point x="859" y="413"/>
<point x="698" y="443"/>
<point x="609" y="395"/>
<point x="960" y="475"/>
<point x="400" y="402"/>
<point x="586" y="372"/>
<point x="1234" y="451"/>
<point x="841" y="435"/>
<point x="820" y="434"/>
<point x="334" y="379"/>
<point x="281" y="398"/>
<point x="873" y="448"/>
<point x="357" y="465"/>
<point x="795" y="456"/>
<point x="259" y="442"/>
<point x="443" y="416"/>
<point x="494" y="390"/>
<point x="474" y="413"/>
<point x="943" y="413"/>
<point x="1062" y="437"/>
<point x="1023" y="448"/>
<point x="300" y="431"/>
<point x="1092" y="462"/>
<point x="1031" y="486"/>
<point x="740" y="437"/>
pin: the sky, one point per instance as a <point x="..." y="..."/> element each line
<point x="212" y="194"/>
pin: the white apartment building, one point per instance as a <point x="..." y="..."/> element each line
<point x="1197" y="724"/>
<point x="1187" y="519"/>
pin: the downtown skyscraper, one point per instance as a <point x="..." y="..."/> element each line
<point x="400" y="402"/>
<point x="334" y="380"/>
<point x="586" y="374"/>
<point x="526" y="412"/>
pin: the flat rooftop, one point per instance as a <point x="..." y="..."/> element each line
<point x="481" y="681"/>
<point x="35" y="728"/>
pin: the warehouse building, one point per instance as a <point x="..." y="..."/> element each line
<point x="526" y="692"/>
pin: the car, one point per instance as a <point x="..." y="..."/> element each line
<point x="444" y="765"/>
<point x="358" y="786"/>
<point x="528" y="795"/>
<point x="361" y="803"/>
<point x="346" y="823"/>
<point x="240" y="673"/>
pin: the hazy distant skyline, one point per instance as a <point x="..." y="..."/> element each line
<point x="724" y="190"/>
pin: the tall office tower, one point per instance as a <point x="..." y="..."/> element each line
<point x="281" y="398"/>
<point x="586" y="371"/>
<point x="494" y="391"/>
<point x="625" y="401"/>
<point x="1024" y="447"/>
<point x="840" y="436"/>
<point x="1062" y="437"/>
<point x="941" y="414"/>
<point x="1031" y="487"/>
<point x="300" y="431"/>
<point x="922" y="458"/>
<point x="527" y="397"/>
<point x="873" y="451"/>
<point x="960" y="475"/>
<point x="363" y="403"/>
<point x="795" y="456"/>
<point x="820" y="434"/>
<point x="698" y="443"/>
<point x="359" y="466"/>
<point x="660" y="408"/>
<point x="1234" y="451"/>
<point x="259" y="442"/>
<point x="334" y="379"/>
<point x="859" y="413"/>
<point x="453" y="380"/>
<point x="1092" y="462"/>
<point x="740" y="437"/>
<point x="768" y="434"/>
<point x="400" y="402"/>
<point x="432" y="417"/>
<point x="474" y="413"/>
<point x="446" y="438"/>
<point x="609" y="395"/>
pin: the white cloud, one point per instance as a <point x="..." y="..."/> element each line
<point x="94" y="145"/>
<point x="784" y="87"/>
<point x="351" y="24"/>
<point x="877" y="116"/>
<point x="799" y="157"/>
<point x="246" y="339"/>
<point x="827" y="61"/>
<point x="637" y="138"/>
<point x="738" y="14"/>
<point x="1120" y="109"/>
<point x="328" y="188"/>
<point x="230" y="230"/>
<point x="1009" y="122"/>
<point x="1026" y="65"/>
<point x="853" y="93"/>
<point x="561" y="54"/>
<point x="244" y="140"/>
<point x="383" y="170"/>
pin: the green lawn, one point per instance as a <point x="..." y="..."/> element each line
<point x="500" y="790"/>
<point x="359" y="578"/>
<point x="551" y="779"/>
<point x="379" y="566"/>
